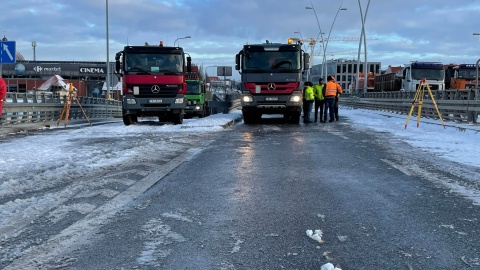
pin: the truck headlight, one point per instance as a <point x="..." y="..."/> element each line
<point x="295" y="98"/>
<point x="178" y="100"/>
<point x="131" y="101"/>
<point x="247" y="99"/>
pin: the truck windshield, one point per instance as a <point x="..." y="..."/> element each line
<point x="467" y="73"/>
<point x="154" y="63"/>
<point x="274" y="61"/>
<point x="429" y="74"/>
<point x="194" y="89"/>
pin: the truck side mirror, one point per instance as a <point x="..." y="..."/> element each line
<point x="306" y="61"/>
<point x="117" y="62"/>
<point x="237" y="62"/>
<point x="189" y="64"/>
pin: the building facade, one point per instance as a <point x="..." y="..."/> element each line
<point x="344" y="71"/>
<point x="87" y="77"/>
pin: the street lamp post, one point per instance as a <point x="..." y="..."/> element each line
<point x="301" y="37"/>
<point x="328" y="37"/>
<point x="206" y="72"/>
<point x="108" y="53"/>
<point x="362" y="35"/>
<point x="320" y="33"/>
<point x="1" y="64"/>
<point x="34" y="44"/>
<point x="299" y="33"/>
<point x="476" y="81"/>
<point x="477" y="92"/>
<point x="180" y="38"/>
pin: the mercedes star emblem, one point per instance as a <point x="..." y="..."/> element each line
<point x="155" y="89"/>
<point x="271" y="86"/>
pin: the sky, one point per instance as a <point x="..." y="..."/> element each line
<point x="43" y="160"/>
<point x="397" y="31"/>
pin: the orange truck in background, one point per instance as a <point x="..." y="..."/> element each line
<point x="370" y="81"/>
<point x="464" y="76"/>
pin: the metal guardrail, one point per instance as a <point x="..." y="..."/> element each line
<point x="24" y="108"/>
<point x="225" y="103"/>
<point x="454" y="105"/>
<point x="21" y="108"/>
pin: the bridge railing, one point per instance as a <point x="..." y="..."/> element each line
<point x="21" y="108"/>
<point x="24" y="108"/>
<point x="454" y="105"/>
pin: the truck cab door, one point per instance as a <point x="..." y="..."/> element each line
<point x="406" y="79"/>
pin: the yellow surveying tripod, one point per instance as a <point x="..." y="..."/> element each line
<point x="419" y="94"/>
<point x="66" y="109"/>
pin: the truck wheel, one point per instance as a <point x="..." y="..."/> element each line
<point x="203" y="113"/>
<point x="295" y="117"/>
<point x="248" y="118"/>
<point x="128" y="119"/>
<point x="162" y="118"/>
<point x="251" y="117"/>
<point x="177" y="119"/>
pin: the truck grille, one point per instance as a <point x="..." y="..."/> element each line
<point x="164" y="91"/>
<point x="278" y="86"/>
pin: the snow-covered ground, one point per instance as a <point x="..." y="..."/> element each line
<point x="32" y="167"/>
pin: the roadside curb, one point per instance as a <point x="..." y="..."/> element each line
<point x="233" y="122"/>
<point x="26" y="127"/>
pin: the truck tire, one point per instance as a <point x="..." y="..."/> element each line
<point x="203" y="113"/>
<point x="177" y="118"/>
<point x="251" y="117"/>
<point x="295" y="117"/>
<point x="247" y="118"/>
<point x="128" y="119"/>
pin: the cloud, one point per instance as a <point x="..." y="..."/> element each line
<point x="405" y="30"/>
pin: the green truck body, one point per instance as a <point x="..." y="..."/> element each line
<point x="197" y="99"/>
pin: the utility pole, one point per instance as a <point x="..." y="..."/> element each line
<point x="108" y="56"/>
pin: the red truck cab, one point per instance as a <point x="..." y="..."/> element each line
<point x="153" y="82"/>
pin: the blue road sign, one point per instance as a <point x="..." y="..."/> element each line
<point x="7" y="52"/>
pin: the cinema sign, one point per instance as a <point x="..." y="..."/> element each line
<point x="92" y="70"/>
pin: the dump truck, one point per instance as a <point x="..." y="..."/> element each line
<point x="411" y="78"/>
<point x="271" y="80"/>
<point x="464" y="76"/>
<point x="198" y="96"/>
<point x="153" y="82"/>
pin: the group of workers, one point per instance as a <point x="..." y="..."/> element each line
<point x="324" y="96"/>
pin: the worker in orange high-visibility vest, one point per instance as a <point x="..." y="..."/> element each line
<point x="332" y="90"/>
<point x="3" y="93"/>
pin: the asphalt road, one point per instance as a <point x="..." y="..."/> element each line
<point x="244" y="200"/>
